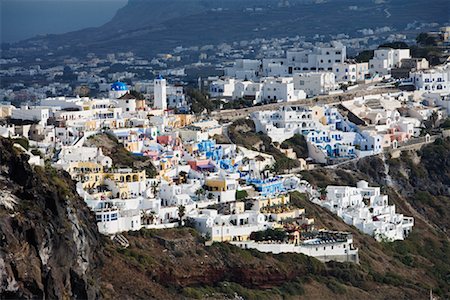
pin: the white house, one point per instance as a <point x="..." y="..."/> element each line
<point x="222" y="87"/>
<point x="248" y="90"/>
<point x="315" y="83"/>
<point x="365" y="208"/>
<point x="435" y="80"/>
<point x="232" y="227"/>
<point x="283" y="123"/>
<point x="385" y="59"/>
<point x="323" y="245"/>
<point x="350" y="71"/>
<point x="244" y="69"/>
<point x="72" y="154"/>
<point x="320" y="58"/>
<point x="176" y="97"/>
<point x="280" y="89"/>
<point x="38" y="114"/>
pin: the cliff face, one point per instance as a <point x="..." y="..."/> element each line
<point x="48" y="238"/>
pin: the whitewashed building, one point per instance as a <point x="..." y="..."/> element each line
<point x="435" y="80"/>
<point x="350" y="71"/>
<point x="315" y="83"/>
<point x="323" y="245"/>
<point x="160" y="93"/>
<point x="244" y="69"/>
<point x="282" y="124"/>
<point x="232" y="227"/>
<point x="320" y="58"/>
<point x="38" y="114"/>
<point x="368" y="210"/>
<point x="222" y="87"/>
<point x="386" y="59"/>
<point x="281" y="89"/>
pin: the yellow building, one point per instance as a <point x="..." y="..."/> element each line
<point x="216" y="185"/>
<point x="90" y="125"/>
<point x="140" y="104"/>
<point x="260" y="203"/>
<point x="318" y="113"/>
<point x="92" y="176"/>
<point x="179" y="121"/>
<point x="5" y="111"/>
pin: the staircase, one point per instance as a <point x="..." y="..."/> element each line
<point x="121" y="240"/>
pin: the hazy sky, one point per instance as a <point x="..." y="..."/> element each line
<point x="21" y="19"/>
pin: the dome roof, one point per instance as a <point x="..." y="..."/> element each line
<point x="119" y="86"/>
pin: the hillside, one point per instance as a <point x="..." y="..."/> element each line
<point x="150" y="27"/>
<point x="43" y="220"/>
<point x="417" y="184"/>
<point x="49" y="242"/>
<point x="242" y="133"/>
<point x="120" y="156"/>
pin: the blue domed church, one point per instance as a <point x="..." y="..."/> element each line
<point x="118" y="89"/>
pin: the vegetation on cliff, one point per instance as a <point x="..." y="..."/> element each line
<point x="121" y="157"/>
<point x="48" y="237"/>
<point x="298" y="144"/>
<point x="242" y="132"/>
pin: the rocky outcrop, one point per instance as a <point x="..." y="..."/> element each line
<point x="48" y="238"/>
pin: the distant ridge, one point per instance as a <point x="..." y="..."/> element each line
<point x="155" y="26"/>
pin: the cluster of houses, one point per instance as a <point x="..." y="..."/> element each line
<point x="323" y="70"/>
<point x="368" y="210"/>
<point x="226" y="191"/>
<point x="300" y="74"/>
<point x="355" y="128"/>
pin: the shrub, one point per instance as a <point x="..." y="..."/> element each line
<point x="241" y="195"/>
<point x="192" y="293"/>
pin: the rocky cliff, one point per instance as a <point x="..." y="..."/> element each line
<point x="48" y="238"/>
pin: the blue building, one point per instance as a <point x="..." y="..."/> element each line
<point x="269" y="186"/>
<point x="117" y="90"/>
